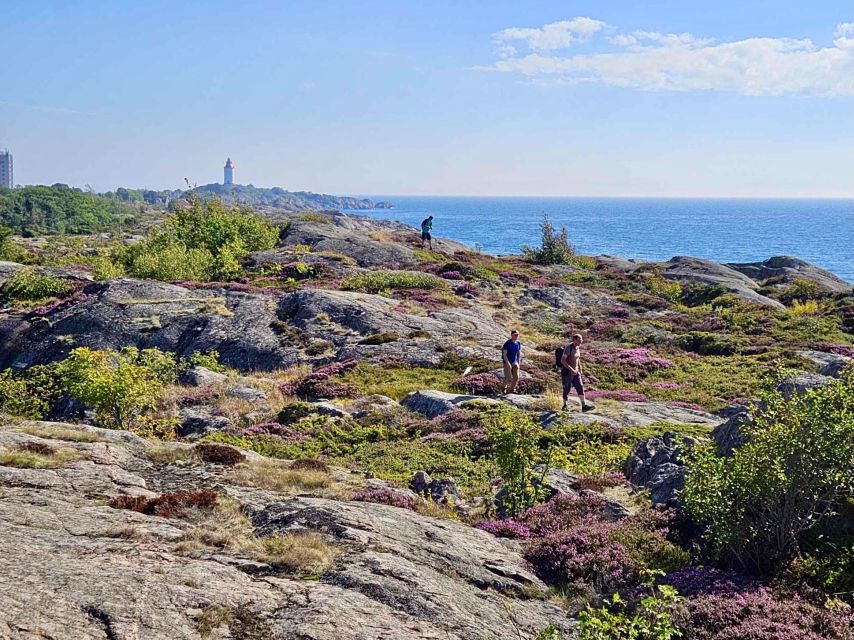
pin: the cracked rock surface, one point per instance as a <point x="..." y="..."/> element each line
<point x="74" y="568"/>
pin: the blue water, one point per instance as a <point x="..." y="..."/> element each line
<point x="724" y="230"/>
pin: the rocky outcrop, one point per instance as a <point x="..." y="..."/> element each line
<point x="656" y="464"/>
<point x="346" y="318"/>
<point x="145" y="314"/>
<point x="685" y="269"/>
<point x="786" y="269"/>
<point x="433" y="404"/>
<point x="801" y="383"/>
<point x="729" y="436"/>
<point x="829" y="364"/>
<point x="88" y="571"/>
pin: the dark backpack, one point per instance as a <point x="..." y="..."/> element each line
<point x="559" y="357"/>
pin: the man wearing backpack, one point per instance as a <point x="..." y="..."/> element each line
<point x="427" y="231"/>
<point x="511" y="358"/>
<point x="570" y="371"/>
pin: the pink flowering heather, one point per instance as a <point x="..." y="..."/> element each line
<point x="602" y="481"/>
<point x="465" y="288"/>
<point x="839" y="349"/>
<point x="317" y="384"/>
<point x="505" y="528"/>
<point x="489" y="384"/>
<point x="728" y="606"/>
<point x="387" y="496"/>
<point x="477" y="434"/>
<point x="60" y="305"/>
<point x="693" y="406"/>
<point x="665" y="386"/>
<point x="452" y="275"/>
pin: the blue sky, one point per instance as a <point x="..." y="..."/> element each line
<point x="490" y="98"/>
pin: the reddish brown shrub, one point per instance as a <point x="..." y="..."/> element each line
<point x="175" y="504"/>
<point x="218" y="453"/>
<point x="309" y="464"/>
<point x="37" y="447"/>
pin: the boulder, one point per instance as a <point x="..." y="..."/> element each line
<point x="142" y="313"/>
<point x="656" y="464"/>
<point x="729" y="435"/>
<point x="685" y="269"/>
<point x="441" y="490"/>
<point x="199" y="421"/>
<point x="829" y="364"/>
<point x="436" y="403"/>
<point x="202" y="377"/>
<point x="801" y="383"/>
<point x="346" y="318"/>
<point x="786" y="269"/>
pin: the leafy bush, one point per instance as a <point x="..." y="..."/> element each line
<point x="758" y="506"/>
<point x="709" y="344"/>
<point x="554" y="247"/>
<point x="28" y="285"/>
<point x="663" y="288"/>
<point x="203" y="241"/>
<point x="652" y="618"/>
<point x="801" y="290"/>
<point x="514" y="437"/>
<point x="122" y="386"/>
<point x="384" y="281"/>
<point x="29" y="394"/>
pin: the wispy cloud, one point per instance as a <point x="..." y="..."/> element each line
<point x="44" y="108"/>
<point x="653" y="61"/>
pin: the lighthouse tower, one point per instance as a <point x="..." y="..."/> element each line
<point x="228" y="172"/>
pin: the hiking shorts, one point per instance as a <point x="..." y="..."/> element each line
<point x="425" y="236"/>
<point x="570" y="382"/>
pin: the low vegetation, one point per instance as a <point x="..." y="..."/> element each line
<point x="34" y="455"/>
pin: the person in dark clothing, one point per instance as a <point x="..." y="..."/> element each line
<point x="511" y="357"/>
<point x="570" y="372"/>
<point x="427" y="231"/>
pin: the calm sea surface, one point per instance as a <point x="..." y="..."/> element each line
<point x="724" y="230"/>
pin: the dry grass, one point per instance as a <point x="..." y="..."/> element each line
<point x="275" y="475"/>
<point x="169" y="454"/>
<point x="56" y="432"/>
<point x="213" y="618"/>
<point x="228" y="528"/>
<point x="549" y="401"/>
<point x="436" y="510"/>
<point x="23" y="458"/>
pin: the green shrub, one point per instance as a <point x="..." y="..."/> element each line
<point x="663" y="288"/>
<point x="381" y="338"/>
<point x="27" y="285"/>
<point x="759" y="506"/>
<point x="382" y="281"/>
<point x="554" y="247"/>
<point x="122" y="387"/>
<point x="651" y="619"/>
<point x="514" y="437"/>
<point x="801" y="290"/>
<point x="203" y="241"/>
<point x="209" y="360"/>
<point x="695" y="294"/>
<point x="710" y="344"/>
<point x="29" y="394"/>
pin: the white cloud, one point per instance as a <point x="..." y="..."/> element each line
<point x="557" y="35"/>
<point x="652" y="61"/>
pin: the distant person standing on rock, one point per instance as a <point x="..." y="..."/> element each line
<point x="511" y="356"/>
<point x="426" y="231"/>
<point x="570" y="371"/>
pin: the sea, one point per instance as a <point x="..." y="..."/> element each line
<point x="723" y="230"/>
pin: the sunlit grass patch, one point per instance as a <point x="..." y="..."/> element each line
<point x="37" y="456"/>
<point x="59" y="432"/>
<point x="276" y="475"/>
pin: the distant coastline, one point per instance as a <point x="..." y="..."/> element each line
<point x="820" y="231"/>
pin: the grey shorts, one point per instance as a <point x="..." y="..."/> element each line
<point x="570" y="382"/>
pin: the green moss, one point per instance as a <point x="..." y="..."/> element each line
<point x="396" y="382"/>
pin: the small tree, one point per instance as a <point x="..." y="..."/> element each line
<point x="515" y="448"/>
<point x="554" y="247"/>
<point x="794" y="470"/>
<point x="122" y="386"/>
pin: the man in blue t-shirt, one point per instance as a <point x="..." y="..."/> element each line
<point x="511" y="356"/>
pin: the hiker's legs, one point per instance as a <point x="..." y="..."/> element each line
<point x="565" y="380"/>
<point x="579" y="389"/>
<point x="508" y="374"/>
<point x="514" y="378"/>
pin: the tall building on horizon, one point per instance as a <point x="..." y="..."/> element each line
<point x="228" y="172"/>
<point x="7" y="177"/>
